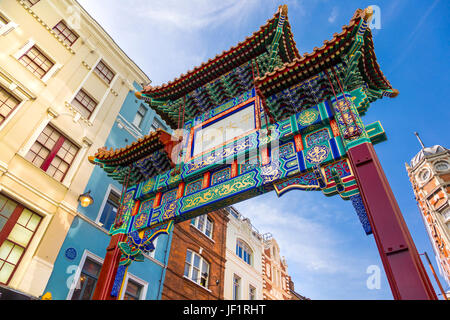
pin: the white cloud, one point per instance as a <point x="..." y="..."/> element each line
<point x="167" y="37"/>
<point x="195" y="14"/>
<point x="326" y="249"/>
<point x="305" y="240"/>
<point x="333" y="15"/>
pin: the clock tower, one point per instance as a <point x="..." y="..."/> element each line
<point x="429" y="173"/>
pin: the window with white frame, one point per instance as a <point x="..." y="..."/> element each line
<point x="133" y="290"/>
<point x="446" y="214"/>
<point x="66" y="34"/>
<point x="196" y="268"/>
<point x="251" y="292"/>
<point x="18" y="226"/>
<point x="204" y="224"/>
<point x="84" y="103"/>
<point x="155" y="125"/>
<point x="104" y="72"/>
<point x="53" y="153"/>
<point x="8" y="103"/>
<point x="110" y="209"/>
<point x="442" y="165"/>
<point x="36" y="62"/>
<point x="87" y="280"/>
<point x="236" y="287"/>
<point x="231" y="211"/>
<point x="140" y="115"/>
<point x="243" y="251"/>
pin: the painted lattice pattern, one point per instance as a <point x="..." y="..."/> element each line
<point x="287" y="150"/>
<point x="341" y="167"/>
<point x="193" y="187"/>
<point x="169" y="196"/>
<point x="220" y="176"/>
<point x="317" y="137"/>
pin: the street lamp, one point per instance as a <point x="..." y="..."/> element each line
<point x="85" y="199"/>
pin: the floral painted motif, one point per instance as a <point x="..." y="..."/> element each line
<point x="249" y="165"/>
<point x="193" y="187"/>
<point x="233" y="186"/>
<point x="169" y="196"/>
<point x="308" y="116"/>
<point x="148" y="186"/>
<point x="341" y="167"/>
<point x="287" y="150"/>
<point x="306" y="181"/>
<point x="220" y="176"/>
<point x="317" y="137"/>
<point x="317" y="154"/>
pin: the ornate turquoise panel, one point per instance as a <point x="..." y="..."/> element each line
<point x="193" y="186"/>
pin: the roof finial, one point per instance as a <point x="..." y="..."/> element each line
<point x="420" y="141"/>
<point x="368" y="13"/>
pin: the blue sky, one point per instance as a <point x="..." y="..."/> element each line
<point x="324" y="244"/>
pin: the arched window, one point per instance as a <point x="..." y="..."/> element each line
<point x="196" y="268"/>
<point x="243" y="251"/>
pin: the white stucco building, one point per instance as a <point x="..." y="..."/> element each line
<point x="243" y="269"/>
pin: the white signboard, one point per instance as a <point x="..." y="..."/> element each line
<point x="217" y="133"/>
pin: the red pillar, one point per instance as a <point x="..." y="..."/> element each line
<point x="404" y="269"/>
<point x="109" y="269"/>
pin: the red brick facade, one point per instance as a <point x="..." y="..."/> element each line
<point x="430" y="186"/>
<point x="276" y="280"/>
<point x="188" y="237"/>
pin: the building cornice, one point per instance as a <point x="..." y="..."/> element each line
<point x="106" y="39"/>
<point x="28" y="94"/>
<point x="427" y="158"/>
<point x="47" y="27"/>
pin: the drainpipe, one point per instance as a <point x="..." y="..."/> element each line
<point x="166" y="258"/>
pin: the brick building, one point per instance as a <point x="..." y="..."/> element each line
<point x="275" y="271"/>
<point x="196" y="266"/>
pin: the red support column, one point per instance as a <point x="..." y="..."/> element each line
<point x="109" y="269"/>
<point x="404" y="269"/>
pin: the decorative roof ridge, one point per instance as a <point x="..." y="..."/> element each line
<point x="359" y="13"/>
<point x="104" y="154"/>
<point x="149" y="89"/>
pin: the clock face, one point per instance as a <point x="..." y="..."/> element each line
<point x="224" y="130"/>
<point x="424" y="175"/>
<point x="441" y="166"/>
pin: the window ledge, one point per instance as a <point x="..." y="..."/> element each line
<point x="197" y="284"/>
<point x="7" y="28"/>
<point x="35" y="76"/>
<point x="40" y="170"/>
<point x="136" y="127"/>
<point x="75" y="111"/>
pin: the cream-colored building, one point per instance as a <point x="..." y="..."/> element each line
<point x="62" y="83"/>
<point x="276" y="279"/>
<point x="243" y="270"/>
